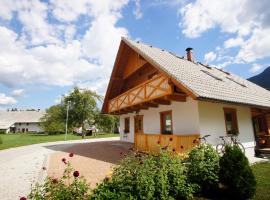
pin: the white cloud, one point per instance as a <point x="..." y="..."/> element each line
<point x="256" y="47"/>
<point x="210" y="56"/>
<point x="248" y="22"/>
<point x="6" y="100"/>
<point x="47" y="50"/>
<point x="17" y="92"/>
<point x="255" y="68"/>
<point x="137" y="11"/>
<point x="233" y="42"/>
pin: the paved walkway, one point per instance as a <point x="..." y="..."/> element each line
<point x="22" y="166"/>
<point x="93" y="160"/>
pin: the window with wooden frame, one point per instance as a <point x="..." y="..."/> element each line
<point x="127" y="122"/>
<point x="138" y="123"/>
<point x="231" y="121"/>
<point x="166" y="125"/>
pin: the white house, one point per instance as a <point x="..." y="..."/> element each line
<point x="163" y="98"/>
<point x="21" y="121"/>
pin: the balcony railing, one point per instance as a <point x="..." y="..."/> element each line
<point x="152" y="89"/>
<point x="153" y="142"/>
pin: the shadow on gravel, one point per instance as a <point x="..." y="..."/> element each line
<point x="110" y="151"/>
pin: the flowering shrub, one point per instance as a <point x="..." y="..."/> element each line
<point x="69" y="187"/>
<point x="203" y="167"/>
<point x="143" y="176"/>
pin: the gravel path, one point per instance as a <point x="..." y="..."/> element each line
<point x="22" y="166"/>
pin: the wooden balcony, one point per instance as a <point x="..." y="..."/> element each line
<point x="147" y="94"/>
<point x="153" y="142"/>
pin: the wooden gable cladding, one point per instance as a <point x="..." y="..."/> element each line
<point x="153" y="89"/>
<point x="132" y="70"/>
<point x="134" y="62"/>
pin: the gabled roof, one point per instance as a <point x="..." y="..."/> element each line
<point x="8" y="118"/>
<point x="203" y="82"/>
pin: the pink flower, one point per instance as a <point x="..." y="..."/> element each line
<point x="173" y="150"/>
<point x="23" y="198"/>
<point x="182" y="147"/>
<point x="121" y="153"/>
<point x="158" y="142"/>
<point x="76" y="174"/>
<point x="171" y="139"/>
<point x="71" y="154"/>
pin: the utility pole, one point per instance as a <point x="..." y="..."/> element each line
<point x="67" y="119"/>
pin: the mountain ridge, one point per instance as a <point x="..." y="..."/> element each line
<point x="262" y="79"/>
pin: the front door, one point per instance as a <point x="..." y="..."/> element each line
<point x="138" y="124"/>
<point x="138" y="128"/>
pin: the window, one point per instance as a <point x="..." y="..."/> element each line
<point x="20" y="124"/>
<point x="27" y="124"/>
<point x="212" y="75"/>
<point x="126" y="130"/>
<point x="236" y="82"/>
<point x="231" y="121"/>
<point x="138" y="121"/>
<point x="26" y="130"/>
<point x="166" y="122"/>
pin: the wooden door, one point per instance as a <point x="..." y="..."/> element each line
<point x="138" y="124"/>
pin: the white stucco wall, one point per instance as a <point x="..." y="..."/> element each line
<point x="211" y="116"/>
<point x="185" y="119"/>
<point x="32" y="127"/>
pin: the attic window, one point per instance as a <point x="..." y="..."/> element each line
<point x="212" y="75"/>
<point x="236" y="82"/>
<point x="207" y="66"/>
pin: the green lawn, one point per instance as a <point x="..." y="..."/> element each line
<point x="262" y="173"/>
<point x="16" y="140"/>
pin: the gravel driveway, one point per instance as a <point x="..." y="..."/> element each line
<point x="22" y="166"/>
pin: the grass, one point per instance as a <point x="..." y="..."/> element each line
<point x="262" y="174"/>
<point x="17" y="140"/>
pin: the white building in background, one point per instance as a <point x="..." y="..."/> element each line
<point x="21" y="121"/>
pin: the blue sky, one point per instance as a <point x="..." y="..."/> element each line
<point x="48" y="47"/>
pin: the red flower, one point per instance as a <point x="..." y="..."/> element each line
<point x="44" y="168"/>
<point x="64" y="160"/>
<point x="23" y="198"/>
<point x="55" y="180"/>
<point x="158" y="142"/>
<point x="182" y="147"/>
<point x="76" y="174"/>
<point x="121" y="153"/>
<point x="171" y="139"/>
<point x="71" y="154"/>
<point x="173" y="150"/>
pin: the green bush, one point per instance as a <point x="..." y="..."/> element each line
<point x="203" y="167"/>
<point x="2" y="132"/>
<point x="69" y="187"/>
<point x="236" y="174"/>
<point x="143" y="176"/>
<point x="1" y="141"/>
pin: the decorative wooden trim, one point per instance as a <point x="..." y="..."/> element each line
<point x="152" y="89"/>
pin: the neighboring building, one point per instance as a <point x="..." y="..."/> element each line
<point x="21" y="121"/>
<point x="166" y="99"/>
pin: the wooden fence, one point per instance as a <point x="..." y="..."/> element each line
<point x="153" y="142"/>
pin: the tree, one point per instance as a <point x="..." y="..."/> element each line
<point x="83" y="109"/>
<point x="82" y="106"/>
<point x="107" y="123"/>
<point x="53" y="121"/>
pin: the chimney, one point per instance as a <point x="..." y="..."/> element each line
<point x="189" y="54"/>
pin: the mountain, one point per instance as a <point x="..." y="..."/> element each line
<point x="262" y="79"/>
